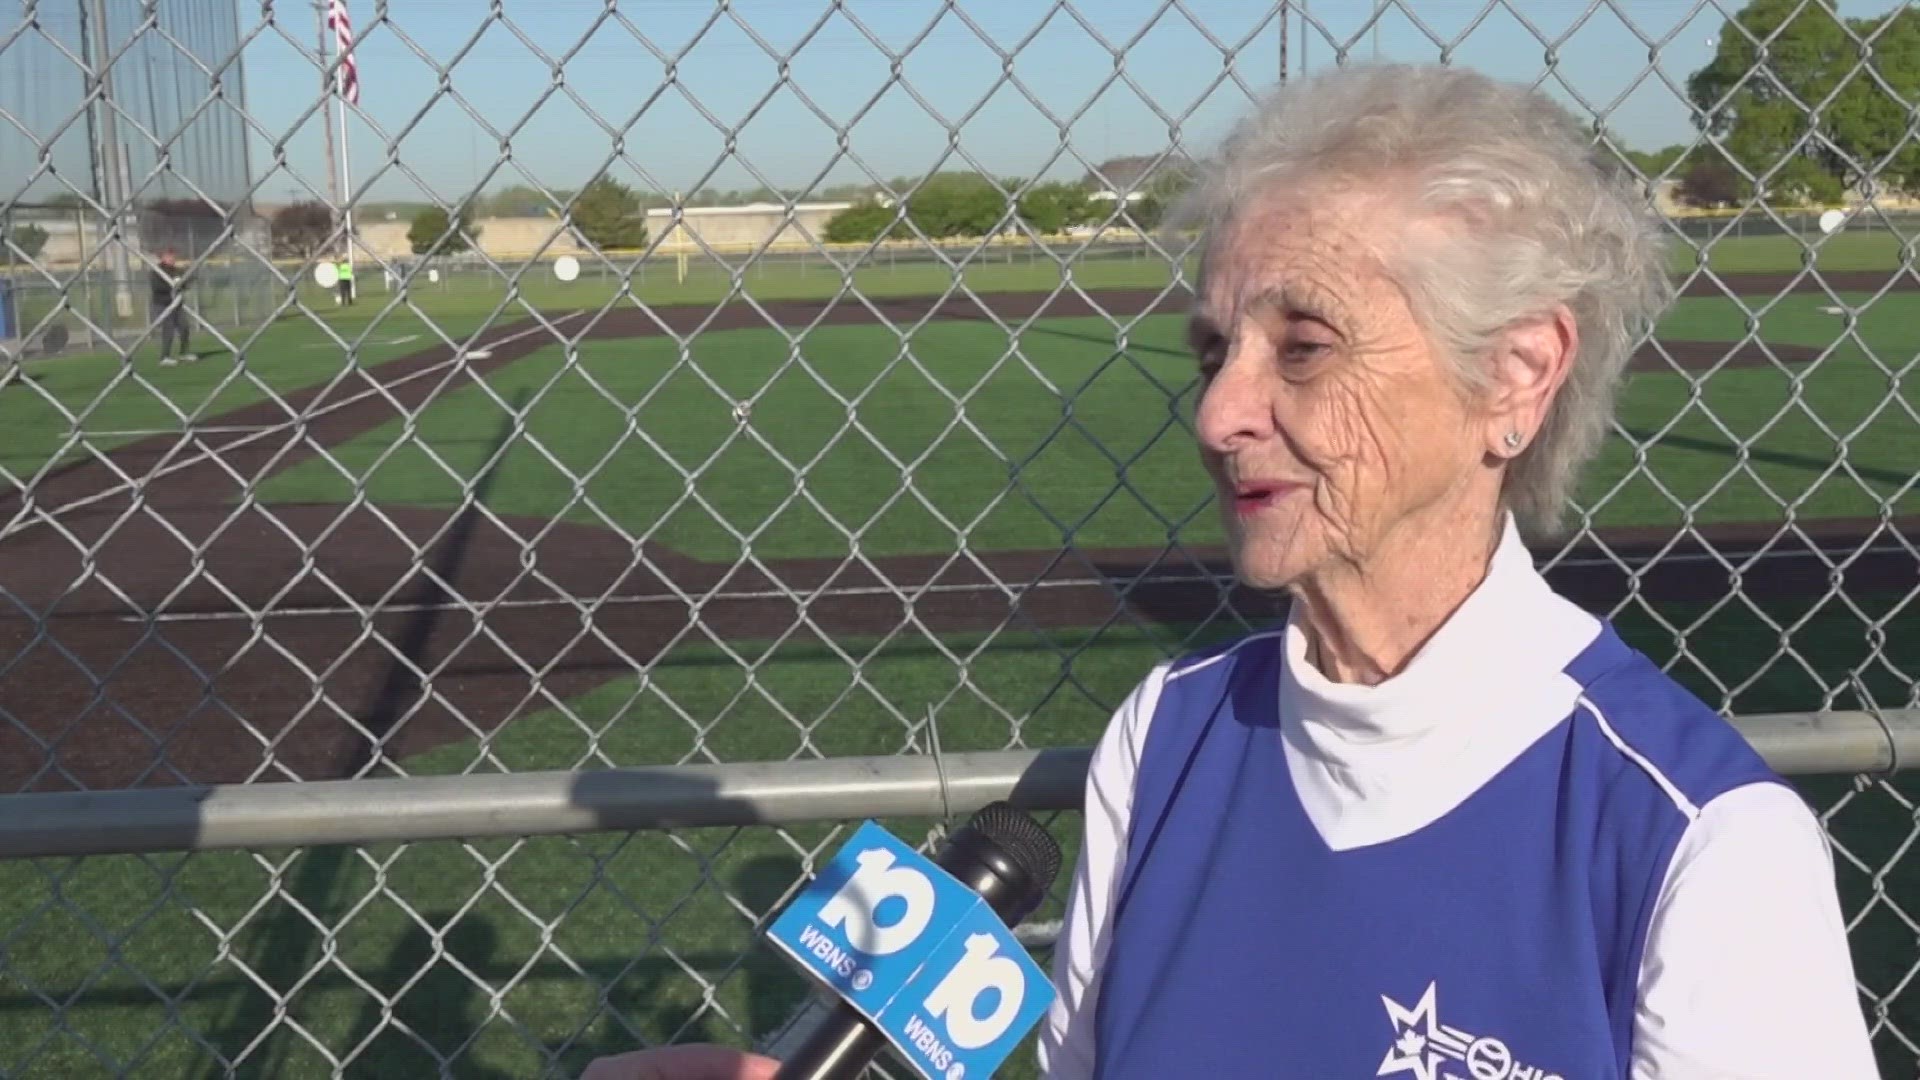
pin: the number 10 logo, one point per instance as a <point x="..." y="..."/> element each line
<point x="955" y="1001"/>
<point x="854" y="910"/>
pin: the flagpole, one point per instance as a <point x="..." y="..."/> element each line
<point x="346" y="185"/>
<point x="328" y="86"/>
<point x="344" y="196"/>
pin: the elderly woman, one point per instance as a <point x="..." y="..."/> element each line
<point x="1442" y="823"/>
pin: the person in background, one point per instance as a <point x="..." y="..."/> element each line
<point x="1440" y="821"/>
<point x="167" y="286"/>
<point x="346" y="282"/>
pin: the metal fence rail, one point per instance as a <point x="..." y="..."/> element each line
<point x="323" y="812"/>
<point x="470" y="660"/>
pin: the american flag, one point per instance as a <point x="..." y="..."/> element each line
<point x="349" y="73"/>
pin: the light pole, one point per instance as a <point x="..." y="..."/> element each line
<point x="113" y="175"/>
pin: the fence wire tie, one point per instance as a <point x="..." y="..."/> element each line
<point x="938" y="833"/>
<point x="1872" y="708"/>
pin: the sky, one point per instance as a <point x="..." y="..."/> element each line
<point x="457" y="94"/>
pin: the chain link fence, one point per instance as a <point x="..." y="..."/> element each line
<point x="563" y="483"/>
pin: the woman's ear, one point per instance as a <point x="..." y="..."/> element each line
<point x="1530" y="364"/>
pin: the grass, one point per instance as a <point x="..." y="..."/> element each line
<point x="94" y="391"/>
<point x="1843" y="251"/>
<point x="661" y="281"/>
<point x="656" y="282"/>
<point x="478" y="293"/>
<point x="75" y="405"/>
<point x="432" y="931"/>
<point x="78" y="403"/>
<point x="962" y="439"/>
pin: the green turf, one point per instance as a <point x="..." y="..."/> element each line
<point x="661" y="281"/>
<point x="631" y="914"/>
<point x="1854" y="250"/>
<point x="293" y="352"/>
<point x="657" y="283"/>
<point x="1827" y="439"/>
<point x="960" y="440"/>
<point x="73" y="405"/>
<point x="84" y="398"/>
<point x="699" y="278"/>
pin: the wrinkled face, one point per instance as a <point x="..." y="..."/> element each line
<point x="1330" y="424"/>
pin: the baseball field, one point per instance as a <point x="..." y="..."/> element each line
<point x="571" y="526"/>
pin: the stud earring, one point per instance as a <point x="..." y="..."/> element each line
<point x="1513" y="440"/>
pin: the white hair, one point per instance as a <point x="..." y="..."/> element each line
<point x="1542" y="221"/>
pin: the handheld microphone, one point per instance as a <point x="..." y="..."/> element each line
<point x="912" y="955"/>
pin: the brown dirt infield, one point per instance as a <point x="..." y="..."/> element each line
<point x="96" y="693"/>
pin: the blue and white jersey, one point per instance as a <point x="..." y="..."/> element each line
<point x="1529" y="855"/>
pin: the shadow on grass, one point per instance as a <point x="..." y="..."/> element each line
<point x="426" y="1008"/>
<point x="289" y="944"/>
<point x="1107" y="340"/>
<point x="1806" y="462"/>
<point x="438" y="984"/>
<point x="434" y="1007"/>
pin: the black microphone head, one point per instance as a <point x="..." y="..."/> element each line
<point x="1025" y="841"/>
<point x="1022" y="838"/>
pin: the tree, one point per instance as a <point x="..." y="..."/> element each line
<point x="864" y="223"/>
<point x="1710" y="183"/>
<point x="28" y="240"/>
<point x="301" y="230"/>
<point x="518" y="200"/>
<point x="845" y="193"/>
<point x="1807" y="116"/>
<point x="1055" y="207"/>
<point x="429" y="226"/>
<point x="1162" y="190"/>
<point x="608" y="215"/>
<point x="433" y="233"/>
<point x="1874" y="125"/>
<point x="745" y="196"/>
<point x="950" y="204"/>
<point x="182" y="224"/>
<point x="1654" y="164"/>
<point x="956" y="204"/>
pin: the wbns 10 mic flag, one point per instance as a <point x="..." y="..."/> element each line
<point x="920" y="952"/>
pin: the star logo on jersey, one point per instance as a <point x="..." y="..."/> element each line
<point x="1430" y="1050"/>
<point x="1417" y="1039"/>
